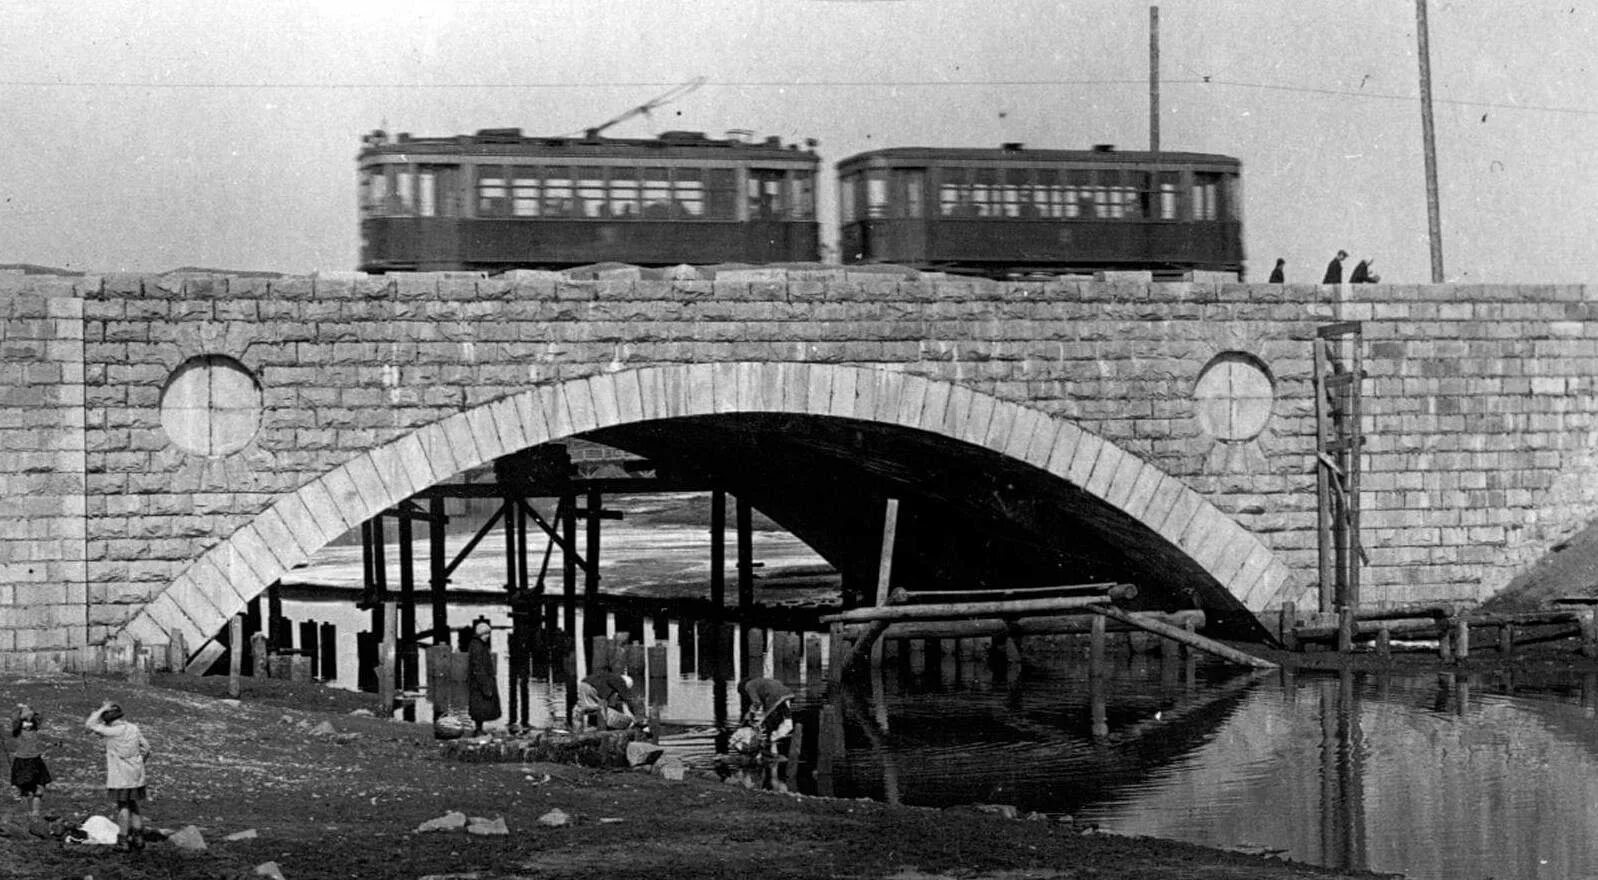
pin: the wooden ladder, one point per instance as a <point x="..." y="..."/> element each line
<point x="1339" y="371"/>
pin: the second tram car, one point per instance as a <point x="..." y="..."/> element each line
<point x="1009" y="211"/>
<point x="499" y="200"/>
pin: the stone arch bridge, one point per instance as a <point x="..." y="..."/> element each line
<point x="175" y="444"/>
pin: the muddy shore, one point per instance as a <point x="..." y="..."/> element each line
<point x="347" y="802"/>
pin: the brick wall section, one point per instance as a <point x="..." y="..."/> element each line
<point x="42" y="521"/>
<point x="1480" y="405"/>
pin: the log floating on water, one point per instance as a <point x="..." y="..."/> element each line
<point x="968" y="610"/>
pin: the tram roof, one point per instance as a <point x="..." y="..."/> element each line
<point x="512" y="142"/>
<point x="1016" y="153"/>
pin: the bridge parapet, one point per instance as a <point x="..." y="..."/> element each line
<point x="1480" y="403"/>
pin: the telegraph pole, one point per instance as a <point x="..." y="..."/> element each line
<point x="1154" y="79"/>
<point x="1434" y="220"/>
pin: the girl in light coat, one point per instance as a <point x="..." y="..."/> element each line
<point x="125" y="752"/>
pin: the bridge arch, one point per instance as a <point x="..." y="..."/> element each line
<point x="198" y="603"/>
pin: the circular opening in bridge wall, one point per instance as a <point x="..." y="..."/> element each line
<point x="211" y="405"/>
<point x="1234" y="395"/>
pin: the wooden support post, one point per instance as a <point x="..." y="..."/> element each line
<point x="812" y="649"/>
<point x="235" y="633"/>
<point x="1461" y="637"/>
<point x="1345" y="629"/>
<point x="1445" y="642"/>
<point x="1506" y="638"/>
<point x="1096" y="646"/>
<point x="593" y="620"/>
<point x="274" y="617"/>
<point x="874" y="632"/>
<point x="438" y="679"/>
<point x="1384" y="643"/>
<point x="258" y="659"/>
<point x="568" y="568"/>
<point x="718" y="551"/>
<point x="746" y="556"/>
<point x="795" y="748"/>
<point x="1589" y="633"/>
<point x="754" y="655"/>
<point x="327" y="642"/>
<point x="410" y="678"/>
<point x="786" y="651"/>
<point x="1287" y="626"/>
<point x="437" y="566"/>
<point x="385" y="660"/>
<point x="635" y="662"/>
<point x="656" y="661"/>
<point x="829" y="742"/>
<point x="308" y="645"/>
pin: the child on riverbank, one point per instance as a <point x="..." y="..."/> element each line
<point x="28" y="772"/>
<point x="125" y="753"/>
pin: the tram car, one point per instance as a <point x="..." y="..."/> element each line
<point x="499" y="199"/>
<point x="1014" y="211"/>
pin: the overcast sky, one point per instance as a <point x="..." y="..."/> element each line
<point x="142" y="136"/>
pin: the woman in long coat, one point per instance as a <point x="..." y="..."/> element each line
<point x="482" y="685"/>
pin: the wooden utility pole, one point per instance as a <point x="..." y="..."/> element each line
<point x="1154" y="78"/>
<point x="1434" y="220"/>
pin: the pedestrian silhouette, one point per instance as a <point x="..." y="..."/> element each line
<point x="1334" y="269"/>
<point x="1363" y="274"/>
<point x="1279" y="274"/>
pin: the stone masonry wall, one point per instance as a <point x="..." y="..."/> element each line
<point x="42" y="500"/>
<point x="1479" y="406"/>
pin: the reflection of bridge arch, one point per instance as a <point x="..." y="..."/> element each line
<point x="217" y="585"/>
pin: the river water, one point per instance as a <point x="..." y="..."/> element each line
<point x="1429" y="775"/>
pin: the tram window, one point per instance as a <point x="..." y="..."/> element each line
<point x="657" y="194"/>
<point x="1079" y="194"/>
<point x="591" y="198"/>
<point x="426" y="202"/>
<point x="721" y="194"/>
<point x="801" y="195"/>
<point x="1018" y="193"/>
<point x="765" y="194"/>
<point x="877" y="192"/>
<point x="401" y="201"/>
<point x="558" y="194"/>
<point x="985" y="191"/>
<point x="1048" y="195"/>
<point x="954" y="197"/>
<point x="624" y="193"/>
<point x="911" y="183"/>
<point x="523" y="193"/>
<point x="1168" y="195"/>
<point x="689" y="189"/>
<point x="846" y="199"/>
<point x="1206" y="196"/>
<point x="1233" y="195"/>
<point x="374" y="191"/>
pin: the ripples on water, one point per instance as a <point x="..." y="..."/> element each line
<point x="1428" y="775"/>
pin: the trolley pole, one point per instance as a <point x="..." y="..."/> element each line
<point x="1434" y="220"/>
<point x="1154" y="78"/>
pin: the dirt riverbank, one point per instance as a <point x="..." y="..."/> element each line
<point x="346" y="803"/>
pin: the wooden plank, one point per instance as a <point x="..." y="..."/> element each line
<point x="897" y="612"/>
<point x="235" y="631"/>
<point x="945" y="596"/>
<point x="1193" y="640"/>
<point x="1059" y="624"/>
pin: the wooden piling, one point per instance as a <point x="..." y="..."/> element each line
<point x="235" y="633"/>
<point x="327" y="641"/>
<point x="635" y="662"/>
<point x="656" y="662"/>
<point x="795" y="749"/>
<point x="812" y="657"/>
<point x="1286" y="624"/>
<point x="754" y="655"/>
<point x="386" y="659"/>
<point x="1384" y="642"/>
<point x="258" y="658"/>
<point x="1589" y="633"/>
<point x="1345" y="629"/>
<point x="1461" y="637"/>
<point x="1506" y="639"/>
<point x="1209" y="646"/>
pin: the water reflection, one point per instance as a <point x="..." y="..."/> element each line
<point x="1431" y="775"/>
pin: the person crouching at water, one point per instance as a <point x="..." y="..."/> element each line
<point x="771" y="715"/>
<point x="605" y="701"/>
<point x="28" y="772"/>
<point x="125" y="754"/>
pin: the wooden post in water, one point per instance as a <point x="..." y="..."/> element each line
<point x="1384" y="642"/>
<point x="568" y="569"/>
<point x="258" y="658"/>
<point x="1345" y="629"/>
<point x="593" y="620"/>
<point x="438" y="692"/>
<point x="754" y="657"/>
<point x="1289" y="622"/>
<point x="1099" y="717"/>
<point x="308" y="645"/>
<point x="235" y="633"/>
<point x="718" y="551"/>
<point x="1589" y="633"/>
<point x="410" y="678"/>
<point x="656" y="661"/>
<point x="746" y="556"/>
<point x="1506" y="638"/>
<point x="812" y="648"/>
<point x="1461" y="637"/>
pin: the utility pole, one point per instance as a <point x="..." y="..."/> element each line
<point x="1154" y="79"/>
<point x="1434" y="219"/>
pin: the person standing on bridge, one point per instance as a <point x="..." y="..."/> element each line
<point x="482" y="684"/>
<point x="1279" y="274"/>
<point x="1334" y="269"/>
<point x="125" y="753"/>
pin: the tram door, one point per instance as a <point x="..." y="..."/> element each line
<point x="437" y="233"/>
<point x="909" y="188"/>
